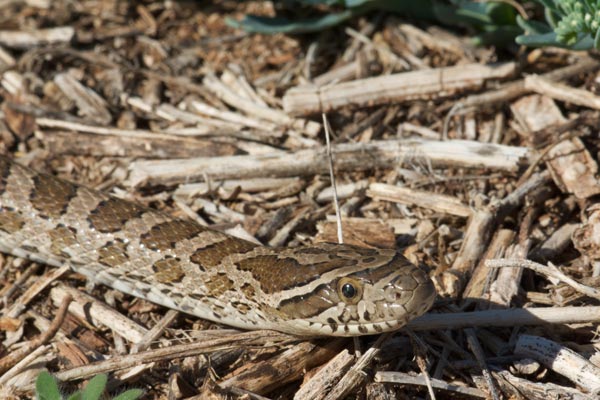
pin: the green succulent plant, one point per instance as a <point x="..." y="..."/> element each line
<point x="573" y="24"/>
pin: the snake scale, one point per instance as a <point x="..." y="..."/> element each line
<point x="317" y="290"/>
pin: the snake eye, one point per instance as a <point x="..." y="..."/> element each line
<point x="350" y="290"/>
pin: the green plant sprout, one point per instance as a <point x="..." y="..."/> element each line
<point x="46" y="388"/>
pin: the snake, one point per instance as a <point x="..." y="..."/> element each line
<point x="321" y="289"/>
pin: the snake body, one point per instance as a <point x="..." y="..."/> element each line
<point x="322" y="289"/>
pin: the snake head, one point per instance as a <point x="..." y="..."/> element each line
<point x="369" y="291"/>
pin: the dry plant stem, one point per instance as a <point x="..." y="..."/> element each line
<point x="96" y="312"/>
<point x="480" y="279"/>
<point x="512" y="317"/>
<point x="89" y="104"/>
<point x="320" y="384"/>
<point x="516" y="89"/>
<point x="243" y="394"/>
<point x="349" y="157"/>
<point x="480" y="357"/>
<point x="419" y="349"/>
<point x="288" y="366"/>
<point x="156" y="331"/>
<point x="480" y="228"/>
<point x="526" y="389"/>
<point x="506" y="285"/>
<point x="77" y="143"/>
<point x="549" y="271"/>
<point x="24" y="363"/>
<point x="561" y="360"/>
<point x="556" y="244"/>
<point x="30" y="269"/>
<point x="336" y="203"/>
<point x="562" y="92"/>
<point x="33" y="290"/>
<point x="13" y="358"/>
<point x="437" y="202"/>
<point x="425" y="84"/>
<point x="256" y="338"/>
<point x="101" y="130"/>
<point x="406" y="379"/>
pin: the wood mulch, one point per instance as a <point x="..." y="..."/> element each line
<point x="481" y="166"/>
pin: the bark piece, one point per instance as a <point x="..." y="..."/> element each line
<point x="573" y="168"/>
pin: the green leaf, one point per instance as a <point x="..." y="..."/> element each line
<point x="550" y="5"/>
<point x="253" y="23"/>
<point x="498" y="36"/>
<point x="551" y="17"/>
<point x="46" y="387"/>
<point x="75" y="396"/>
<point x="545" y="39"/>
<point x="533" y="27"/>
<point x="550" y="39"/>
<point x="597" y="40"/>
<point x="130" y="394"/>
<point x="95" y="387"/>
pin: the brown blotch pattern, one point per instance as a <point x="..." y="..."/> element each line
<point x="243" y="308"/>
<point x="165" y="235"/>
<point x="276" y="274"/>
<point x="10" y="220"/>
<point x="61" y="238"/>
<point x="4" y="173"/>
<point x="219" y="284"/>
<point x="51" y="196"/>
<point x="113" y="253"/>
<point x="306" y="306"/>
<point x="248" y="291"/>
<point x="110" y="215"/>
<point x="212" y="255"/>
<point x="168" y="270"/>
<point x="381" y="272"/>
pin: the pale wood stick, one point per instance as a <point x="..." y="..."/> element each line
<point x="33" y="290"/>
<point x="264" y="376"/>
<point x="526" y="389"/>
<point x="402" y="378"/>
<point x="511" y="317"/>
<point x="349" y="156"/>
<point x="549" y="271"/>
<point x="479" y="231"/>
<point x="424" y="84"/>
<point x="13" y="358"/>
<point x="40" y="356"/>
<point x="86" y="307"/>
<point x="225" y="341"/>
<point x="559" y="91"/>
<point x="480" y="278"/>
<point x="28" y="39"/>
<point x="516" y="89"/>
<point x="355" y="374"/>
<point x="317" y="387"/>
<point x="89" y="103"/>
<point x="561" y="360"/>
<point x="437" y="202"/>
